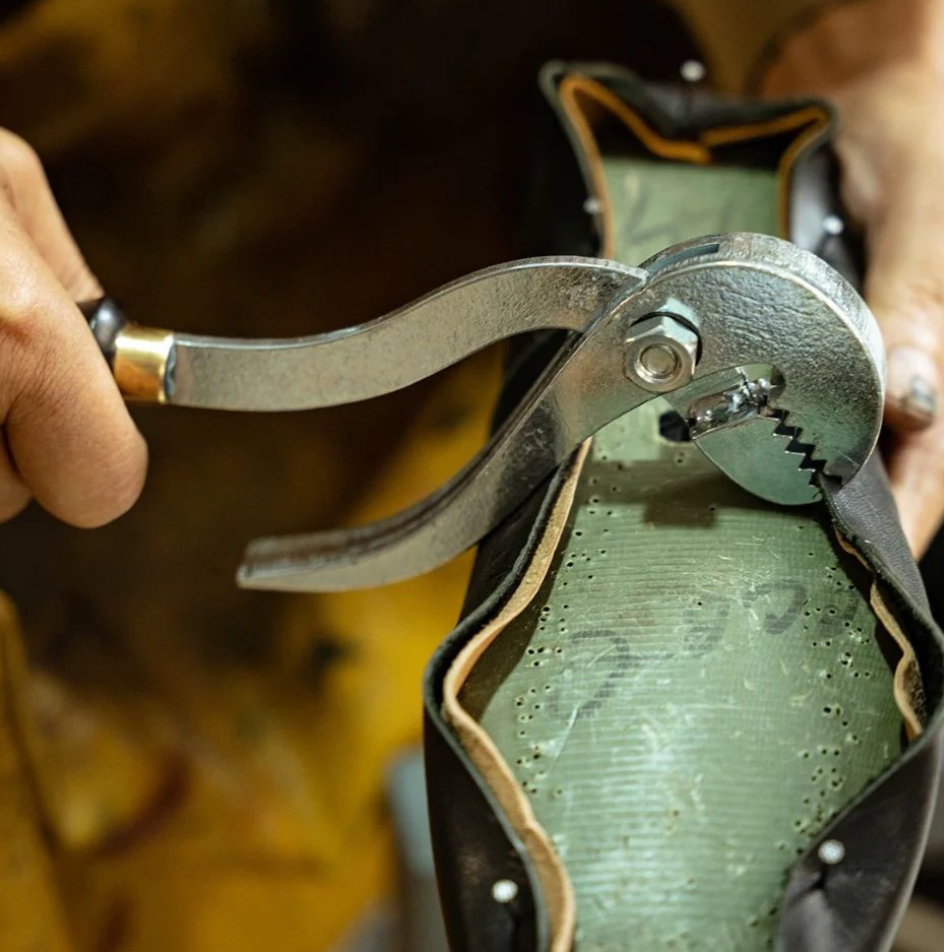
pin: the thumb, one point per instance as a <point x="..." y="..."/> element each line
<point x="905" y="289"/>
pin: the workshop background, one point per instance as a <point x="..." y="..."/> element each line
<point x="184" y="765"/>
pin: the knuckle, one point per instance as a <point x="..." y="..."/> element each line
<point x="21" y="360"/>
<point x="30" y="360"/>
<point x="27" y="290"/>
<point x="35" y="340"/>
<point x="40" y="373"/>
<point x="22" y="304"/>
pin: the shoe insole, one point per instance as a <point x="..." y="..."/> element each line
<point x="699" y="687"/>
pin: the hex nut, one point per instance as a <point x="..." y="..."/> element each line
<point x="661" y="353"/>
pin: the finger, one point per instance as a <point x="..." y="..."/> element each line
<point x="71" y="439"/>
<point x="905" y="289"/>
<point x="29" y="195"/>
<point x="916" y="471"/>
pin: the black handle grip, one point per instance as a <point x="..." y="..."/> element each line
<point x="106" y="321"/>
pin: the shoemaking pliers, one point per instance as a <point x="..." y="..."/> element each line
<point x="771" y="358"/>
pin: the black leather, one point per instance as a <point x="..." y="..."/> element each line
<point x="866" y="510"/>
<point x="851" y="907"/>
<point x="856" y="905"/>
<point x="481" y="848"/>
<point x="473" y="843"/>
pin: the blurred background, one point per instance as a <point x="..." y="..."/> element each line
<point x="188" y="766"/>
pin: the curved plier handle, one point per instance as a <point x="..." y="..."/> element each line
<point x="756" y="343"/>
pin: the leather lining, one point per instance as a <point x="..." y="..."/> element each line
<point x="482" y="751"/>
<point x="908" y="685"/>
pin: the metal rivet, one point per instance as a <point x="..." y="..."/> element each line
<point x="659" y="361"/>
<point x="661" y="353"/>
<point x="832" y="852"/>
<point x="693" y="71"/>
<point x="833" y="225"/>
<point x="504" y="890"/>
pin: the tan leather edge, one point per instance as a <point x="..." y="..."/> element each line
<point x="907" y="681"/>
<point x="808" y="121"/>
<point x="909" y="687"/>
<point x="481" y="750"/>
<point x="486" y="757"/>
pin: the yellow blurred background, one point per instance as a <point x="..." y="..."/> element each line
<point x="185" y="766"/>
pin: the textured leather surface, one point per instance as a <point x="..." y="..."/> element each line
<point x="482" y="851"/>
<point x="468" y="860"/>
<point x="850" y="907"/>
<point x="855" y="906"/>
<point x="866" y="511"/>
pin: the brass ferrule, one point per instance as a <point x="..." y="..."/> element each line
<point x="141" y="362"/>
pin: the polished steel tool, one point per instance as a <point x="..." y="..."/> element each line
<point x="772" y="359"/>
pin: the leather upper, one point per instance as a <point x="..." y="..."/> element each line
<point x="850" y="907"/>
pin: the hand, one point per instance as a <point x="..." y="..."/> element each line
<point x="69" y="441"/>
<point x="881" y="62"/>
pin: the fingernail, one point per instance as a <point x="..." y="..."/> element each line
<point x="912" y="398"/>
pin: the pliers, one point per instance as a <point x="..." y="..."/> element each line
<point x="772" y="359"/>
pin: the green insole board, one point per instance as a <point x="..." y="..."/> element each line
<point x="697" y="688"/>
<point x="657" y="204"/>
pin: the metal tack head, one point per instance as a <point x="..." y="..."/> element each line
<point x="693" y="71"/>
<point x="831" y="852"/>
<point x="504" y="890"/>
